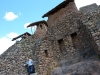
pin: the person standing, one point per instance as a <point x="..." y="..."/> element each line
<point x="30" y="65"/>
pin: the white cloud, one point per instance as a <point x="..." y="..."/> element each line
<point x="19" y="13"/>
<point x="12" y="35"/>
<point x="5" y="42"/>
<point x="81" y="3"/>
<point x="9" y="16"/>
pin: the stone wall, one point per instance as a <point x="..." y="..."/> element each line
<point x="45" y="55"/>
<point x="40" y="31"/>
<point x="60" y="14"/>
<point x="67" y="27"/>
<point x="91" y="21"/>
<point x="87" y="45"/>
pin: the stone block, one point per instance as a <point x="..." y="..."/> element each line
<point x="34" y="74"/>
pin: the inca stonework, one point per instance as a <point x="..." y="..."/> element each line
<point x="68" y="33"/>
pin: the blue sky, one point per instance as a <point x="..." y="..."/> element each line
<point x="15" y="15"/>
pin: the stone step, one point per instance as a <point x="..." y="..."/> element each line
<point x="34" y="74"/>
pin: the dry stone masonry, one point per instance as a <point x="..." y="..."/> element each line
<point x="69" y="34"/>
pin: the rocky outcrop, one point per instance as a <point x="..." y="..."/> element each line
<point x="87" y="67"/>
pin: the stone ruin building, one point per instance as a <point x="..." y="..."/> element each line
<point x="68" y="33"/>
<point x="41" y="28"/>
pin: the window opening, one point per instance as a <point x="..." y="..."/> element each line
<point x="41" y="27"/>
<point x="62" y="46"/>
<point x="75" y="40"/>
<point x="46" y="53"/>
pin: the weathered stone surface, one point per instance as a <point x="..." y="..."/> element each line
<point x="89" y="9"/>
<point x="59" y="15"/>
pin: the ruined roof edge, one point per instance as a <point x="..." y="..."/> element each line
<point x="37" y="23"/>
<point x="21" y="36"/>
<point x="58" y="7"/>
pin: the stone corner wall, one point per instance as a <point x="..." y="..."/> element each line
<point x="40" y="31"/>
<point x="92" y="22"/>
